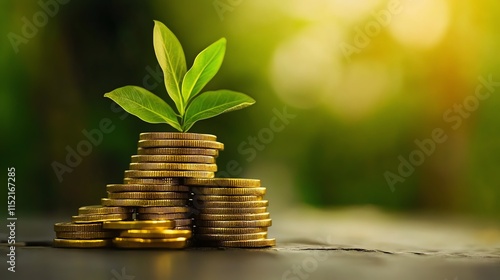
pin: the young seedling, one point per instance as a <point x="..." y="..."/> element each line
<point x="183" y="86"/>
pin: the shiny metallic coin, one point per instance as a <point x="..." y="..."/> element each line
<point x="233" y="210"/>
<point x="183" y="228"/>
<point x="256" y="223"/>
<point x="141" y="243"/>
<point x="256" y="243"/>
<point x="164" y="173"/>
<point x="165" y="224"/>
<point x="257" y="191"/>
<point x="177" y="135"/>
<point x="153" y="181"/>
<point x="228" y="230"/>
<point x="100" y="218"/>
<point x="229" y="237"/>
<point x="178" y="151"/>
<point x="169" y="216"/>
<point x="232" y="198"/>
<point x="99" y="209"/>
<point x="163" y="210"/>
<point x="143" y="202"/>
<point x="178" y="143"/>
<point x="156" y="233"/>
<point x="173" y="166"/>
<point x="86" y="235"/>
<point x="223" y="182"/>
<point x="146" y="188"/>
<point x="183" y="222"/>
<point x="81" y="243"/>
<point x="200" y="205"/>
<point x="172" y="158"/>
<point x="91" y="227"/>
<point x="149" y="195"/>
<point x="232" y="217"/>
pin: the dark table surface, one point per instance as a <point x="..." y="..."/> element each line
<point x="360" y="243"/>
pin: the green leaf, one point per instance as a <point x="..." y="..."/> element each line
<point x="171" y="58"/>
<point x="145" y="105"/>
<point x="206" y="64"/>
<point x="212" y="103"/>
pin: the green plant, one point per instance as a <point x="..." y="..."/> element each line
<point x="183" y="86"/>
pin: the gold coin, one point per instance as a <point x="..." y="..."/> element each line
<point x="99" y="209"/>
<point x="163" y="173"/>
<point x="173" y="166"/>
<point x="224" y="182"/>
<point x="183" y="228"/>
<point x="229" y="191"/>
<point x="153" y="181"/>
<point x="142" y="202"/>
<point x="254" y="210"/>
<point x="156" y="233"/>
<point x="168" y="216"/>
<point x="230" y="217"/>
<point x="149" y="195"/>
<point x="86" y="235"/>
<point x="256" y="243"/>
<point x="166" y="224"/>
<point x="183" y="222"/>
<point x="173" y="158"/>
<point x="145" y="188"/>
<point x="178" y="143"/>
<point x="256" y="223"/>
<point x="226" y="230"/>
<point x="178" y="151"/>
<point x="91" y="227"/>
<point x="230" y="204"/>
<point x="100" y="218"/>
<point x="81" y="243"/>
<point x="163" y="210"/>
<point x="177" y="135"/>
<point x="228" y="237"/>
<point x="170" y="243"/>
<point x="235" y="198"/>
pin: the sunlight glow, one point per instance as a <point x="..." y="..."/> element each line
<point x="421" y="24"/>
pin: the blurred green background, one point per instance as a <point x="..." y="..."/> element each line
<point x="363" y="80"/>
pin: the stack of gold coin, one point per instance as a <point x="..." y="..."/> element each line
<point x="230" y="212"/>
<point x="86" y="230"/>
<point x="148" y="234"/>
<point x="153" y="201"/>
<point x="181" y="215"/>
<point x="174" y="154"/>
<point x="153" y="181"/>
<point x="169" y="187"/>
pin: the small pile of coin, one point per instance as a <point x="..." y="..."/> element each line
<point x="153" y="201"/>
<point x="89" y="235"/>
<point x="121" y="234"/>
<point x="86" y="230"/>
<point x="230" y="212"/>
<point x="171" y="182"/>
<point x="148" y="234"/>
